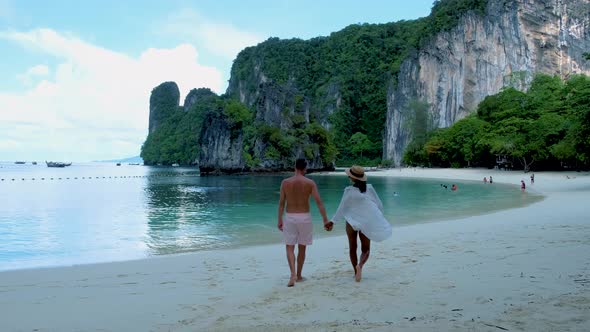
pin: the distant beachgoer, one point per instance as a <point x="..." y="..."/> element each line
<point x="485" y="180"/>
<point x="491" y="180"/>
<point x="362" y="210"/>
<point x="522" y="185"/>
<point x="297" y="227"/>
<point x="454" y="187"/>
<point x="533" y="178"/>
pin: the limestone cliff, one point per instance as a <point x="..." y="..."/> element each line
<point x="457" y="69"/>
<point x="221" y="146"/>
<point x="174" y="129"/>
<point x="282" y="106"/>
<point x="307" y="98"/>
<point x="163" y="102"/>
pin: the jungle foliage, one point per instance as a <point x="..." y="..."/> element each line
<point x="361" y="61"/>
<point x="547" y="127"/>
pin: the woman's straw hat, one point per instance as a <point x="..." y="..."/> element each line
<point x="357" y="173"/>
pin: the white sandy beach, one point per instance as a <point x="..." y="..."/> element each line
<point x="524" y="269"/>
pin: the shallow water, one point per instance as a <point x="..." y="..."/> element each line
<point x="89" y="213"/>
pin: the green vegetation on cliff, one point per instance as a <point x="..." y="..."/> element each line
<point x="359" y="61"/>
<point x="352" y="68"/>
<point x="175" y="138"/>
<point x="547" y="127"/>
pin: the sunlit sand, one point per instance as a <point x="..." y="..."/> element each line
<point x="521" y="269"/>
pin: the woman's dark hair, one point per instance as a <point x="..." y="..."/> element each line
<point x="362" y="185"/>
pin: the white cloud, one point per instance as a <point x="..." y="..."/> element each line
<point x="95" y="103"/>
<point x="40" y="70"/>
<point x="33" y="73"/>
<point x="223" y="39"/>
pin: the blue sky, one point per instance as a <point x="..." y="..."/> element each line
<point x="76" y="75"/>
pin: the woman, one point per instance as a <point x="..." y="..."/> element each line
<point x="362" y="210"/>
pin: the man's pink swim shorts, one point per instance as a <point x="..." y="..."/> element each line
<point x="297" y="229"/>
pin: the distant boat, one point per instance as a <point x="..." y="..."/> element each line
<point x="175" y="165"/>
<point x="118" y="164"/>
<point x="34" y="163"/>
<point x="20" y="162"/>
<point x="57" y="164"/>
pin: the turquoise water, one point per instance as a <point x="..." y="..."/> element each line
<point x="89" y="213"/>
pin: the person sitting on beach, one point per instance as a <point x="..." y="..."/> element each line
<point x="297" y="227"/>
<point x="362" y="210"/>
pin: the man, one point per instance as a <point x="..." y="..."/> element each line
<point x="297" y="227"/>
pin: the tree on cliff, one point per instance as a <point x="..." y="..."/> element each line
<point x="548" y="126"/>
<point x="359" y="143"/>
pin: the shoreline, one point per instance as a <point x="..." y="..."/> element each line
<point x="460" y="214"/>
<point x="525" y="268"/>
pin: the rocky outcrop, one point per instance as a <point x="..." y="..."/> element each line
<point x="506" y="47"/>
<point x="163" y="102"/>
<point x="195" y="96"/>
<point x="221" y="146"/>
<point x="280" y="106"/>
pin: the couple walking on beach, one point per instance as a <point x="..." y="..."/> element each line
<point x="360" y="207"/>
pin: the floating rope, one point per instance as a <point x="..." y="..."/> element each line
<point x="104" y="177"/>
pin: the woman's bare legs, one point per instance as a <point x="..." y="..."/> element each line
<point x="365" y="251"/>
<point x="352" y="246"/>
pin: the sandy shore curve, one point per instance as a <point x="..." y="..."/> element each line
<point x="523" y="269"/>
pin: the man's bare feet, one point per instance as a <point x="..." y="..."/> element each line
<point x="291" y="282"/>
<point x="359" y="273"/>
<point x="300" y="279"/>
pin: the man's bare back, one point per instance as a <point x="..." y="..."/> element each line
<point x="297" y="190"/>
